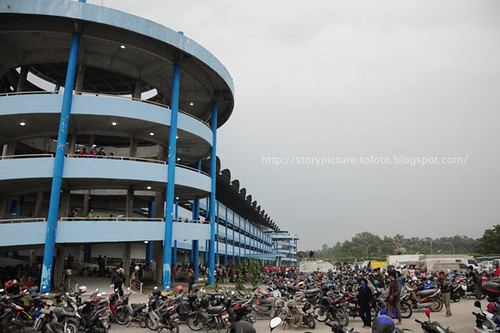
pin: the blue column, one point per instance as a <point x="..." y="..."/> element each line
<point x="233" y="235"/>
<point x="174" y="254"/>
<point x="217" y="238"/>
<point x="213" y="170"/>
<point x="149" y="248"/>
<point x="289" y="252"/>
<point x="196" y="217"/>
<point x="10" y="206"/>
<point x="225" y="241"/>
<point x="195" y="259"/>
<point x="207" y="249"/>
<point x="244" y="238"/>
<point x="19" y="206"/>
<point x="172" y="146"/>
<point x="55" y="192"/>
<point x="239" y="239"/>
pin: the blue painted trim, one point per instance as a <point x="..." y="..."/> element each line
<point x="213" y="170"/>
<point x="55" y="192"/>
<point x="172" y="146"/>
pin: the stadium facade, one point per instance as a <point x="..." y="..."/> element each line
<point x="75" y="76"/>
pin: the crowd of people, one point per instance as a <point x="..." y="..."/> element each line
<point x="93" y="152"/>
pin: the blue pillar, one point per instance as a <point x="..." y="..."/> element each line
<point x="172" y="146"/>
<point x="174" y="254"/>
<point x="149" y="248"/>
<point x="233" y="235"/>
<point x="225" y="242"/>
<point x="196" y="217"/>
<point x="239" y="239"/>
<point x="213" y="170"/>
<point x="10" y="206"/>
<point x="55" y="192"/>
<point x="244" y="238"/>
<point x="195" y="258"/>
<point x="19" y="206"/>
<point x="207" y="249"/>
<point x="289" y="252"/>
<point x="217" y="238"/>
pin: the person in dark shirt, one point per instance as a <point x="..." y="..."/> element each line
<point x="365" y="300"/>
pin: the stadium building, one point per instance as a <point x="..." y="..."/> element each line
<point x="108" y="124"/>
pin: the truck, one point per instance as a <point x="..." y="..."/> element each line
<point x="433" y="262"/>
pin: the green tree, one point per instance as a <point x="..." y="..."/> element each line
<point x="254" y="272"/>
<point x="490" y="242"/>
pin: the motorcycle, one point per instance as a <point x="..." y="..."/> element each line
<point x="432" y="327"/>
<point x="485" y="322"/>
<point x="330" y="308"/>
<point x="423" y="299"/>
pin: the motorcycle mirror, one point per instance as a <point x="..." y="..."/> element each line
<point x="155" y="287"/>
<point x="428" y="313"/>
<point x="477" y="304"/>
<point x="275" y="322"/>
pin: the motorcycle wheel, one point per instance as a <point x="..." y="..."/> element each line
<point x="71" y="327"/>
<point x="455" y="297"/>
<point x="342" y="317"/>
<point x="151" y="324"/>
<point x="374" y="312"/>
<point x="320" y="313"/>
<point x="437" y="305"/>
<point x="173" y="326"/>
<point x="142" y="320"/>
<point x="12" y="323"/>
<point x="195" y="323"/>
<point x="122" y="315"/>
<point x="309" y="321"/>
<point x="295" y="319"/>
<point x="406" y="310"/>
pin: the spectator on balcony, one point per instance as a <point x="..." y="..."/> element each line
<point x="84" y="152"/>
<point x="91" y="214"/>
<point x="101" y="152"/>
<point x="93" y="152"/>
<point x="111" y="156"/>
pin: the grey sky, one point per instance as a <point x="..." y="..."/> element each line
<point x="356" y="79"/>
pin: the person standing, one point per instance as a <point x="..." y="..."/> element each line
<point x="190" y="279"/>
<point x="445" y="286"/>
<point x="394" y="295"/>
<point x="365" y="300"/>
<point x="117" y="280"/>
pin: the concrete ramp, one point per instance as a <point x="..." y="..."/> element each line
<point x="314" y="266"/>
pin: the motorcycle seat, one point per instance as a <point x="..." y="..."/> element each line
<point x="215" y="309"/>
<point x="266" y="301"/>
<point x="311" y="291"/>
<point x="136" y="305"/>
<point x="425" y="293"/>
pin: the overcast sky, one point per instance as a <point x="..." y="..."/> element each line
<point x="355" y="85"/>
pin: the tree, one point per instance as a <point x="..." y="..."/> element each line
<point x="254" y="272"/>
<point x="490" y="242"/>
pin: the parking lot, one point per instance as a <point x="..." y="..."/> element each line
<point x="462" y="320"/>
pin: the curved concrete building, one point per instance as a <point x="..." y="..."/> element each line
<point x="75" y="76"/>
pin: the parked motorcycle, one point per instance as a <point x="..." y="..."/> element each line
<point x="432" y="327"/>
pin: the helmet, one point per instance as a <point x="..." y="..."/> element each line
<point x="383" y="324"/>
<point x="194" y="288"/>
<point x="156" y="292"/>
<point x="242" y="327"/>
<point x="83" y="289"/>
<point x="492" y="307"/>
<point x="120" y="270"/>
<point x="179" y="289"/>
<point x="137" y="268"/>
